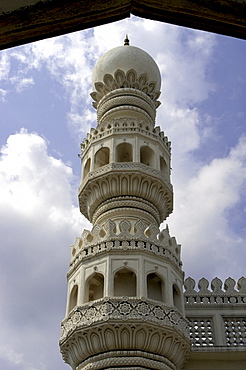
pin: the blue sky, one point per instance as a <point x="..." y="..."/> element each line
<point x="46" y="111"/>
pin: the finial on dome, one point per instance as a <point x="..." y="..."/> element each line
<point x="126" y="41"/>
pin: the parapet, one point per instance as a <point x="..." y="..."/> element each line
<point x="217" y="315"/>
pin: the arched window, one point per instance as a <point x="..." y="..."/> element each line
<point x="163" y="166"/>
<point x="94" y="287"/>
<point x="87" y="167"/>
<point x="101" y="157"/>
<point x="177" y="298"/>
<point x="147" y="156"/>
<point x="125" y="283"/>
<point x="73" y="298"/>
<point x="155" y="287"/>
<point x="124" y="152"/>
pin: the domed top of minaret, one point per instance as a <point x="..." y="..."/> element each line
<point x="127" y="58"/>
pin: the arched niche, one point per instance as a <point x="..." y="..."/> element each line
<point x="101" y="157"/>
<point x="163" y="166"/>
<point x="73" y="298"/>
<point x="94" y="287"/>
<point x="124" y="152"/>
<point x="155" y="287"/>
<point x="87" y="167"/>
<point x="125" y="283"/>
<point x="177" y="298"/>
<point x="147" y="156"/>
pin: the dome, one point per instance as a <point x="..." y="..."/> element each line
<point x="125" y="58"/>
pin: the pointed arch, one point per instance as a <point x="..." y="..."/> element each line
<point x="147" y="156"/>
<point x="87" y="167"/>
<point x="177" y="298"/>
<point x="101" y="157"/>
<point x="73" y="298"/>
<point x="164" y="167"/>
<point x="94" y="287"/>
<point x="155" y="287"/>
<point x="124" y="152"/>
<point x="125" y="283"/>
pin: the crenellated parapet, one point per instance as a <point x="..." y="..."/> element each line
<point x="126" y="236"/>
<point x="228" y="293"/>
<point x="126" y="126"/>
<point x="216" y="313"/>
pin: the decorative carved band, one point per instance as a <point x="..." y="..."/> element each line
<point x="124" y="359"/>
<point x="126" y="166"/>
<point x="123" y="98"/>
<point x="127" y="324"/>
<point x="139" y="206"/>
<point x="125" y="182"/>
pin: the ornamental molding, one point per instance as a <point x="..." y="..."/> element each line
<point x="131" y="237"/>
<point x="110" y="206"/>
<point x="125" y="182"/>
<point x="126" y="125"/>
<point x="129" y="99"/>
<point x="122" y="80"/>
<point x="126" y="323"/>
<point x="216" y="295"/>
<point x="125" y="359"/>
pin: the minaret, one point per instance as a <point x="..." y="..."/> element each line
<point x="125" y="306"/>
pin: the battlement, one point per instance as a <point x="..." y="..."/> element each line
<point x="216" y="295"/>
<point x="125" y="236"/>
<point x="217" y="316"/>
<point x="125" y="125"/>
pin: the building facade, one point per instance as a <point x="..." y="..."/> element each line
<point x="126" y="308"/>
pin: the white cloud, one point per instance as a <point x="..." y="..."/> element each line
<point x="38" y="223"/>
<point x="200" y="220"/>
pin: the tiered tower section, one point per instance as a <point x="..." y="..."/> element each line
<point x="125" y="305"/>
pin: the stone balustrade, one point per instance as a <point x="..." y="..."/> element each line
<point x="217" y="316"/>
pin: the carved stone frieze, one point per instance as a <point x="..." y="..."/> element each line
<point x="131" y="180"/>
<point x="126" y="323"/>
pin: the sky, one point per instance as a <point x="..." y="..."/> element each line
<point x="46" y="111"/>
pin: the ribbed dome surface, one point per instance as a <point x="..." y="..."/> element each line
<point x="125" y="58"/>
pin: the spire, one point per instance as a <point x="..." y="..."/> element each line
<point x="126" y="41"/>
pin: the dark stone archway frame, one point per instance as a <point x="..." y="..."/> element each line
<point x="56" y="17"/>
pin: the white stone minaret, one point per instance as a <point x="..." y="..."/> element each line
<point x="125" y="305"/>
